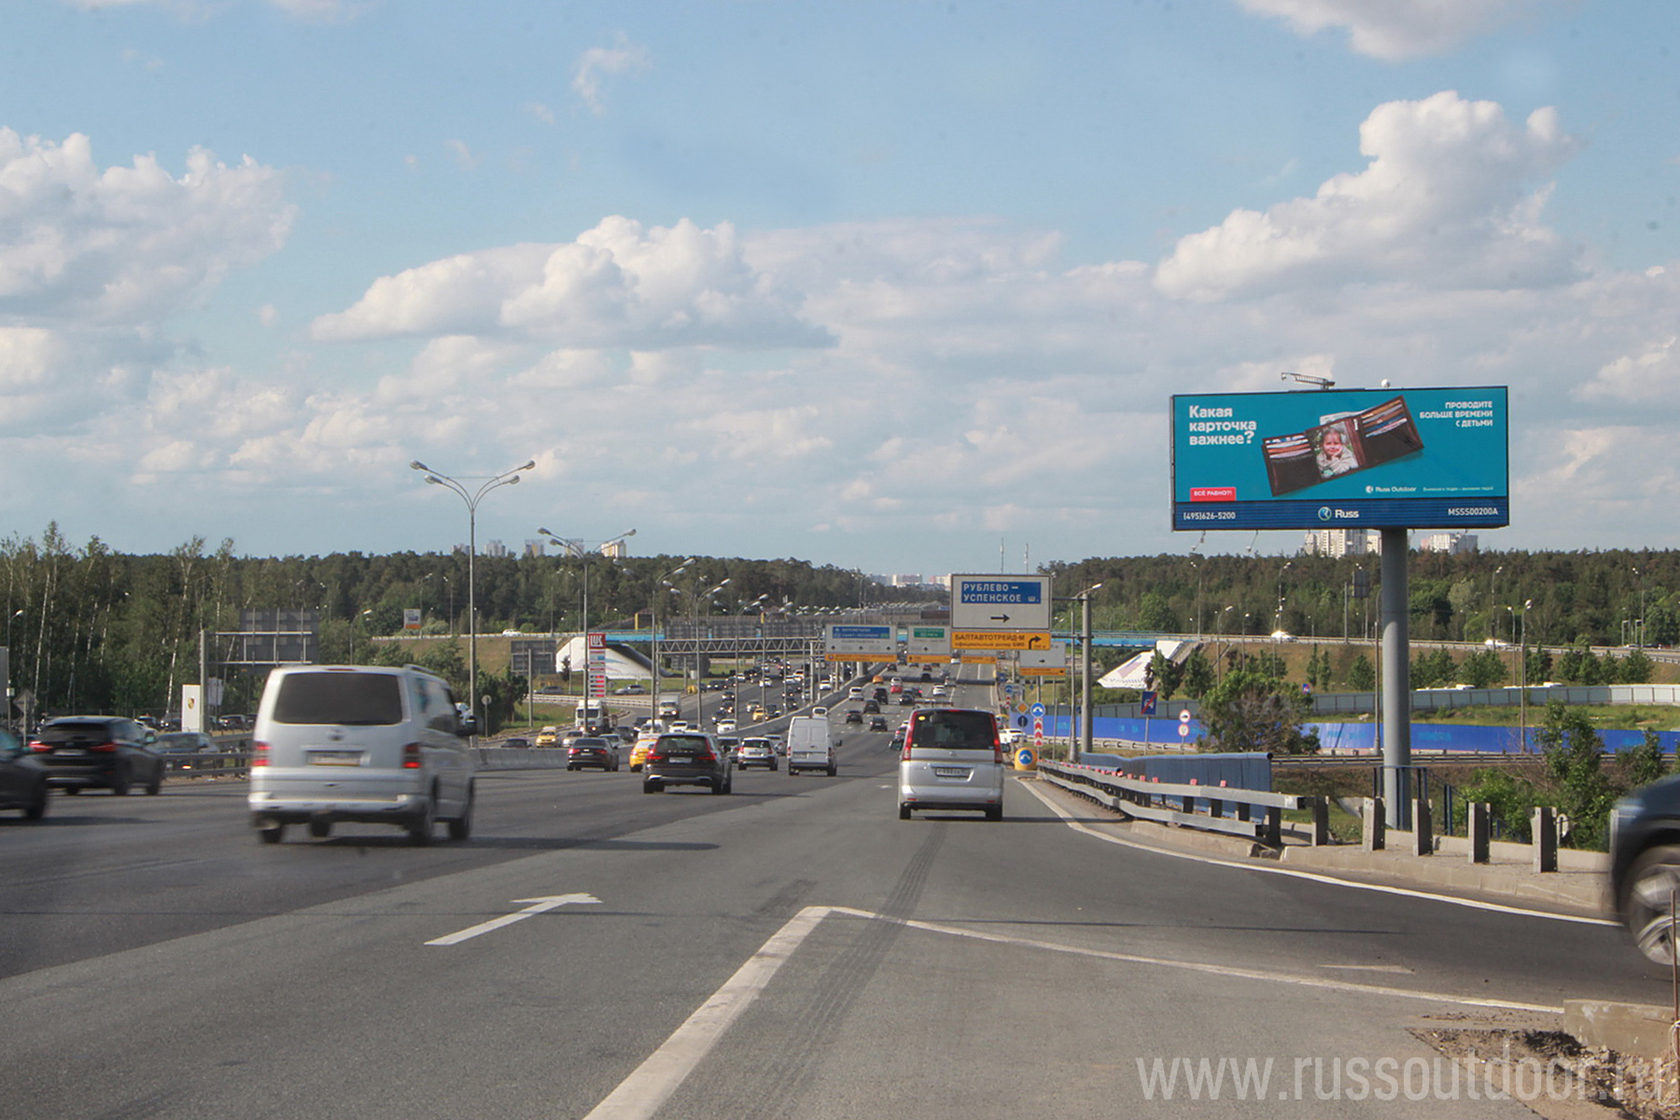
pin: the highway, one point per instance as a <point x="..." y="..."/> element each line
<point x="791" y="950"/>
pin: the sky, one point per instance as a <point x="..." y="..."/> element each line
<point x="893" y="285"/>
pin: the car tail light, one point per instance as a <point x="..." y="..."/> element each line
<point x="259" y="755"/>
<point x="707" y="759"/>
<point x="37" y="745"/>
<point x="106" y="747"/>
<point x="411" y="756"/>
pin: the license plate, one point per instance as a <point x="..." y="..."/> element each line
<point x="69" y="752"/>
<point x="335" y="758"/>
<point x="950" y="772"/>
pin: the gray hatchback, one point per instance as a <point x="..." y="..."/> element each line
<point x="687" y="758"/>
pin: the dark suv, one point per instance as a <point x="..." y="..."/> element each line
<point x="1645" y="864"/>
<point x="687" y="758"/>
<point x="104" y="751"/>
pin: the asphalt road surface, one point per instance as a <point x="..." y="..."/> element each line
<point x="791" y="950"/>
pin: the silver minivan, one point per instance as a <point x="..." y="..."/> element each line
<point x="359" y="743"/>
<point x="952" y="759"/>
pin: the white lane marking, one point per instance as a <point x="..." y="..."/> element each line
<point x="1209" y="969"/>
<point x="538" y="906"/>
<point x="1315" y="877"/>
<point x="1395" y="968"/>
<point x="652" y="1083"/>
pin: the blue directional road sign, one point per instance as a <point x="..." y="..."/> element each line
<point x="980" y="602"/>
<point x="1036" y="711"/>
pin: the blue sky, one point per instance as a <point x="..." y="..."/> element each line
<point x="882" y="285"/>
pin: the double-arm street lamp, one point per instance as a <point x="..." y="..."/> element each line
<point x="659" y="586"/>
<point x="472" y="498"/>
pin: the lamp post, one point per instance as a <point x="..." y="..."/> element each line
<point x="1493" y="582"/>
<point x="1081" y="736"/>
<point x="658" y="594"/>
<point x="581" y="551"/>
<point x="1522" y="691"/>
<point x="1277" y="618"/>
<point x="1219" y="635"/>
<point x="1196" y="561"/>
<point x="472" y="498"/>
<point x="704" y="599"/>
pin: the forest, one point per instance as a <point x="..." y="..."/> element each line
<point x="94" y="630"/>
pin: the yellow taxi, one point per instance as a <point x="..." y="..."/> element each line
<point x="759" y="715"/>
<point x="639" y="749"/>
<point x="548" y="737"/>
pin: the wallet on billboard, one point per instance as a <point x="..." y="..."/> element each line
<point x="1341" y="445"/>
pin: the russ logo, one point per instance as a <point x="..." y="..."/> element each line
<point x="1324" y="513"/>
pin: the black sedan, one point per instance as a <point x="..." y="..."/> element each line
<point x="878" y="723"/>
<point x="593" y="750"/>
<point x="23" y="780"/>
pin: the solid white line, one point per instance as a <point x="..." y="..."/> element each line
<point x="1313" y="876"/>
<point x="1292" y="979"/>
<point x="639" y="1096"/>
<point x="538" y="906"/>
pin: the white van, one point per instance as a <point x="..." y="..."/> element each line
<point x="952" y="759"/>
<point x="809" y="745"/>
<point x="359" y="743"/>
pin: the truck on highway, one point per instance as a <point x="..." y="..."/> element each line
<point x="809" y="745"/>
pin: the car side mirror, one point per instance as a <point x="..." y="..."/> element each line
<point x="466" y="724"/>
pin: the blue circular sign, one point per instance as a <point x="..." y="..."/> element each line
<point x="1037" y="711"/>
<point x="1024" y="756"/>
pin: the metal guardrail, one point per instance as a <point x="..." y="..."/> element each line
<point x="1252" y="814"/>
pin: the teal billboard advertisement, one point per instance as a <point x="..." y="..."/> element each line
<point x="1342" y="459"/>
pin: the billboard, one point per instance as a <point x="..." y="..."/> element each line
<point x="1342" y="459"/>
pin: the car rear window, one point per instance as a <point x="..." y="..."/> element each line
<point x="88" y="731"/>
<point x="683" y="744"/>
<point x="356" y="699"/>
<point x="953" y="730"/>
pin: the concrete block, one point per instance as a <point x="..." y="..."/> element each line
<point x="1544" y="820"/>
<point x="1423" y="829"/>
<point x="1375" y="834"/>
<point x="1480" y="833"/>
<point x="1635" y="1029"/>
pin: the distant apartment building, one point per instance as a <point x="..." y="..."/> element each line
<point x="1448" y="542"/>
<point x="1337" y="543"/>
<point x="494" y="548"/>
<point x="904" y="579"/>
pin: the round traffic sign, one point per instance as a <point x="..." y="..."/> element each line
<point x="1037" y="711"/>
<point x="1184" y="715"/>
<point x="1184" y="731"/>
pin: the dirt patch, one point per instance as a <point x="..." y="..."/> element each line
<point x="1554" y="1075"/>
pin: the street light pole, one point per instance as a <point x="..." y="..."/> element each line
<point x="658" y="594"/>
<point x="1085" y="669"/>
<point x="506" y="478"/>
<point x="581" y="550"/>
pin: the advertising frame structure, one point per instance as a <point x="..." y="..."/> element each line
<point x="1425" y="458"/>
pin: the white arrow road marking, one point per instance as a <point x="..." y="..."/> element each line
<point x="538" y="906"/>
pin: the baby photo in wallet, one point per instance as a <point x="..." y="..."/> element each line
<point x="1340" y="445"/>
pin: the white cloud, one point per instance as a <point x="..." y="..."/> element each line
<point x="125" y="244"/>
<point x="617" y="284"/>
<point x="1446" y="200"/>
<point x="1634" y="379"/>
<point x="1399" y="29"/>
<point x="624" y="58"/>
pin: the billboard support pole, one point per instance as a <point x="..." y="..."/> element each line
<point x="1396" y="692"/>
